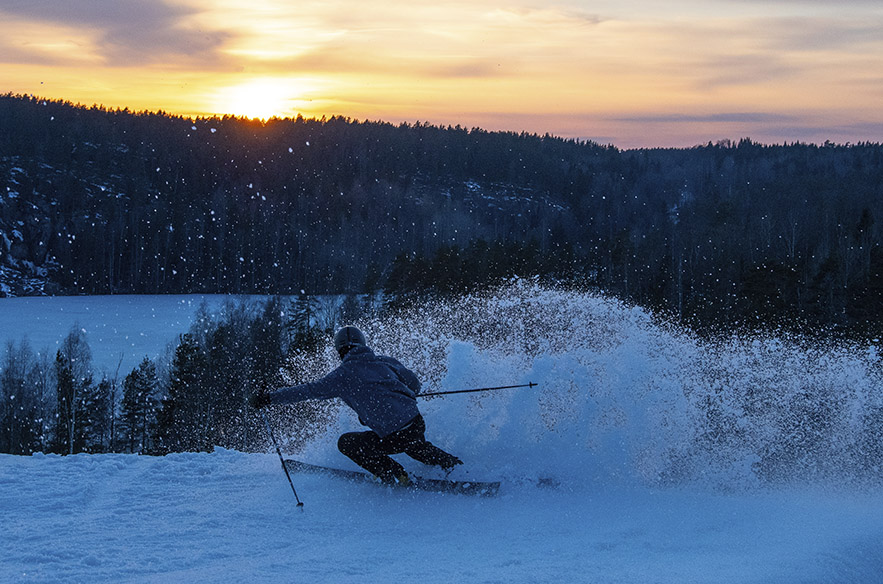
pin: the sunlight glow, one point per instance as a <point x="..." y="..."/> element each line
<point x="261" y="98"/>
<point x="629" y="72"/>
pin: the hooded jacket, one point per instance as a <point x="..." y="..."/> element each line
<point x="381" y="390"/>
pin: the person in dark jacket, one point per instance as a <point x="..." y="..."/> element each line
<point x="383" y="393"/>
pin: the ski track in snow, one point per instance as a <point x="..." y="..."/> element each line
<point x="231" y="517"/>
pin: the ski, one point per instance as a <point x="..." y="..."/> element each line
<point x="479" y="488"/>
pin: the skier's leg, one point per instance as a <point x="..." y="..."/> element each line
<point x="415" y="445"/>
<point x="430" y="454"/>
<point x="367" y="450"/>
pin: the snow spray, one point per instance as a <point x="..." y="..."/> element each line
<point x="626" y="398"/>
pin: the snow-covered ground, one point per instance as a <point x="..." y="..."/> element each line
<point x="231" y="517"/>
<point x="645" y="455"/>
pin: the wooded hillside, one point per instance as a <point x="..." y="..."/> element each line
<point x="94" y="201"/>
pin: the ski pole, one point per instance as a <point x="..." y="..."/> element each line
<point x="476" y="389"/>
<point x="282" y="460"/>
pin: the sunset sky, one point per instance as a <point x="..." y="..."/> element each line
<point x="627" y="72"/>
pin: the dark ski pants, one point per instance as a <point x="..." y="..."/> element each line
<point x="371" y="452"/>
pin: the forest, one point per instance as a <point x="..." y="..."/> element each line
<point x="732" y="234"/>
<point x="189" y="401"/>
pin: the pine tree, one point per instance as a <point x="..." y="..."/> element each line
<point x="303" y="329"/>
<point x="267" y="346"/>
<point x="20" y="427"/>
<point x="96" y="422"/>
<point x="73" y="374"/>
<point x="228" y="362"/>
<point x="139" y="406"/>
<point x="182" y="423"/>
<point x="66" y="408"/>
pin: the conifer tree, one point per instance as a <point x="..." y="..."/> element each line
<point x="268" y="349"/>
<point x="139" y="406"/>
<point x="73" y="373"/>
<point x="19" y="402"/>
<point x="303" y="329"/>
<point x="96" y="421"/>
<point x="182" y="422"/>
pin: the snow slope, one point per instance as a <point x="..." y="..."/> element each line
<point x="231" y="517"/>
<point x="670" y="460"/>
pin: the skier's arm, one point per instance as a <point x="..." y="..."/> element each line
<point x="327" y="387"/>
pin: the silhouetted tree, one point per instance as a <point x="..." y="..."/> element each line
<point x="20" y="421"/>
<point x="73" y="374"/>
<point x="139" y="407"/>
<point x="182" y="422"/>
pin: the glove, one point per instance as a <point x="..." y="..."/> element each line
<point x="259" y="399"/>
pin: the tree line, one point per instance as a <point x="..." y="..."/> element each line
<point x="100" y="201"/>
<point x="192" y="402"/>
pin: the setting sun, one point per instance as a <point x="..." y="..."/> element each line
<point x="260" y="98"/>
<point x="625" y="73"/>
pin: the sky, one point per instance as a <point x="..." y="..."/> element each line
<point x="632" y="73"/>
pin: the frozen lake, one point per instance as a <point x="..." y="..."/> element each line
<point x="117" y="327"/>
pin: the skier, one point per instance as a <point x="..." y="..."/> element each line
<point x="383" y="393"/>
